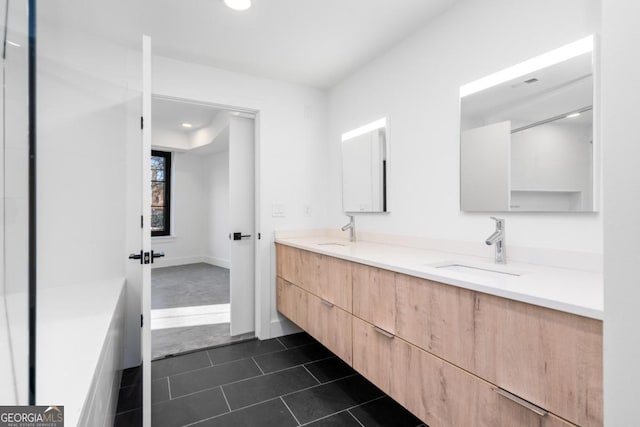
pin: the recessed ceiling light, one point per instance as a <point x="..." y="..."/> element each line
<point x="238" y="4"/>
<point x="572" y="115"/>
<point x="187" y="125"/>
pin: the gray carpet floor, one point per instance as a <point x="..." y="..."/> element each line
<point x="187" y="286"/>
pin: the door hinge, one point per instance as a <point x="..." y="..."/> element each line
<point x="141" y="320"/>
<point x="141" y="122"/>
<point x="141" y="221"/>
<point x="259" y="236"/>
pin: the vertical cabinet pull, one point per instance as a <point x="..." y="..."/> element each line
<point x="327" y="303"/>
<point x="520" y="401"/>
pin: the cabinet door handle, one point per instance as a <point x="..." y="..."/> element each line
<point x="383" y="332"/>
<point x="520" y="401"/>
<point x="327" y="303"/>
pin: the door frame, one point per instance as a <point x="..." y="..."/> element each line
<point x="261" y="329"/>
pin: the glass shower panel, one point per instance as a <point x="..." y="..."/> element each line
<point x="14" y="204"/>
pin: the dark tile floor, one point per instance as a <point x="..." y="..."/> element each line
<point x="288" y="381"/>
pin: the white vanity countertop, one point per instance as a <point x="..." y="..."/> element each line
<point x="573" y="291"/>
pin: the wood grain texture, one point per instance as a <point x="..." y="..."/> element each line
<point x="372" y="354"/>
<point x="436" y="317"/>
<point x="302" y="268"/>
<point x="335" y="283"/>
<point x="292" y="302"/>
<point x="441" y="394"/>
<point x="332" y="326"/>
<point x="374" y="296"/>
<point x="549" y="357"/>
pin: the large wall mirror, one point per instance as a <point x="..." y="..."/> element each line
<point x="526" y="135"/>
<point x="364" y="168"/>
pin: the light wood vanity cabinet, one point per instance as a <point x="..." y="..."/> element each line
<point x="442" y="351"/>
<point x="330" y="325"/>
<point x="548" y="357"/>
<point x="444" y="395"/>
<point x="327" y="277"/>
<point x="374" y="296"/>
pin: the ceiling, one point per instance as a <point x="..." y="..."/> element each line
<point x="312" y="42"/>
<point x="169" y="114"/>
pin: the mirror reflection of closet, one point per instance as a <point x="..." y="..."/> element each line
<point x="527" y="135"/>
<point x="364" y="168"/>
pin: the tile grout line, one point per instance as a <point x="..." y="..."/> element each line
<point x="354" y="417"/>
<point x="230" y="361"/>
<point x="256" y="363"/>
<point x="225" y="398"/>
<point x="319" y="385"/>
<point x="230" y="412"/>
<point x="287" y="394"/>
<point x="347" y="410"/>
<point x="312" y="376"/>
<point x="209" y="357"/>
<point x="290" y="411"/>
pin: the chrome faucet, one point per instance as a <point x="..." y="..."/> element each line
<point x="498" y="239"/>
<point x="351" y="227"/>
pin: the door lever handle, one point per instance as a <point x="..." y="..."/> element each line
<point x="137" y="256"/>
<point x="238" y="236"/>
<point x="155" y="255"/>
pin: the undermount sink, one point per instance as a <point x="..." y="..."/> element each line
<point x="331" y="244"/>
<point x="483" y="271"/>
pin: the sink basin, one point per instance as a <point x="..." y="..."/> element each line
<point x="477" y="270"/>
<point x="331" y="244"/>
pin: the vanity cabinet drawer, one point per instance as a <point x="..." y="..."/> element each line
<point x="441" y="394"/>
<point x="437" y="318"/>
<point x="550" y="358"/>
<point x="330" y="325"/>
<point x="374" y="296"/>
<point x="335" y="282"/>
<point x="298" y="267"/>
<point x="372" y="353"/>
<point x="292" y="302"/>
<point x="326" y="277"/>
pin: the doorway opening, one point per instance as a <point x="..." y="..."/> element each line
<point x="203" y="221"/>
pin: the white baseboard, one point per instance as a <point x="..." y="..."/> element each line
<point x="172" y="262"/>
<point x="282" y="326"/>
<point x="224" y="263"/>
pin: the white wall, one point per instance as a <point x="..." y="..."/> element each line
<point x="292" y="169"/>
<point x="216" y="167"/>
<point x="14" y="208"/>
<point x="189" y="192"/>
<point x="88" y="121"/>
<point x="620" y="112"/>
<point x="416" y="86"/>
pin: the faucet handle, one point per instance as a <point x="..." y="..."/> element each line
<point x="497" y="219"/>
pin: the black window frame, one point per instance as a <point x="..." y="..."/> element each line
<point x="168" y="173"/>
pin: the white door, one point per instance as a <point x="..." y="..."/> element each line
<point x="241" y="220"/>
<point x="145" y="237"/>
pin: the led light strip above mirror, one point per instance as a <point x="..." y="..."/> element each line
<point x="555" y="56"/>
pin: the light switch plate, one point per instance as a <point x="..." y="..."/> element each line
<point x="277" y="210"/>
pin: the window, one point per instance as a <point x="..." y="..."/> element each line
<point x="160" y="193"/>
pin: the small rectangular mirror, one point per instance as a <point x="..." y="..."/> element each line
<point x="526" y="135"/>
<point x="364" y="168"/>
